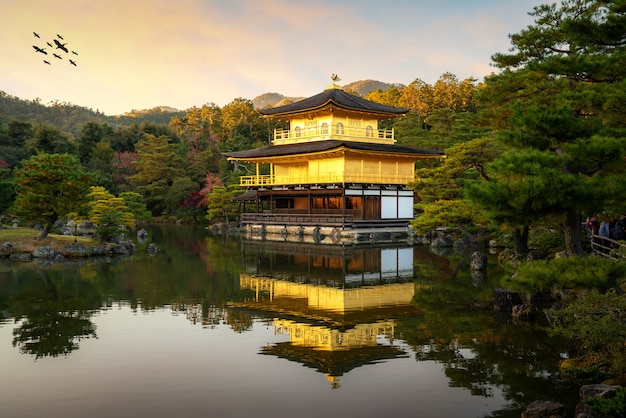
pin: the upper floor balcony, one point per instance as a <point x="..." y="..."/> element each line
<point x="335" y="132"/>
<point x="324" y="178"/>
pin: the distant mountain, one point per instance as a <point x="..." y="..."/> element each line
<point x="361" y="88"/>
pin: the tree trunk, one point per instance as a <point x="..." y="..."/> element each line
<point x="44" y="232"/>
<point x="520" y="241"/>
<point x="571" y="230"/>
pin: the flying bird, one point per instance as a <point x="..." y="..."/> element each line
<point x="60" y="37"/>
<point x="74" y="52"/>
<point x="57" y="56"/>
<point x="61" y="46"/>
<point x="42" y="50"/>
<point x="335" y="77"/>
<point x="36" y="34"/>
<point x="47" y="62"/>
<point x="49" y="44"/>
<point x="73" y="63"/>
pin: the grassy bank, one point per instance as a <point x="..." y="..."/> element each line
<point x="24" y="240"/>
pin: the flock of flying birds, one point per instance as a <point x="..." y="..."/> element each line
<point x="57" y="45"/>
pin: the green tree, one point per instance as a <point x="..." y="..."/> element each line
<point x="243" y="126"/>
<point x="7" y="189"/>
<point x="136" y="205"/>
<point x="50" y="186"/>
<point x="418" y="96"/>
<point x="110" y="214"/>
<point x="441" y="189"/>
<point x="13" y="141"/>
<point x="390" y="97"/>
<point x="178" y="195"/>
<point x="561" y="92"/>
<point x="91" y="135"/>
<point x="221" y="206"/>
<point x="50" y="139"/>
<point x="157" y="166"/>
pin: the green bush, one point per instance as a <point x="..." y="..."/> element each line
<point x="588" y="272"/>
<point x="612" y="407"/>
<point x="595" y="324"/>
<point x="545" y="241"/>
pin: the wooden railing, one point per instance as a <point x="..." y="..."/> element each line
<point x="325" y="178"/>
<point x="607" y="247"/>
<point x="292" y="136"/>
<point x="302" y="219"/>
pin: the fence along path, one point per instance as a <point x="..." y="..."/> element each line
<point x="607" y="247"/>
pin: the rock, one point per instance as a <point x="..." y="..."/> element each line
<point x="142" y="235"/>
<point x="59" y="257"/>
<point x="84" y="228"/>
<point x="479" y="261"/>
<point x="123" y="248"/>
<point x="318" y="236"/>
<point x="504" y="300"/>
<point x="542" y="300"/>
<point x="97" y="251"/>
<point x="21" y="256"/>
<point x="152" y="248"/>
<point x="445" y="241"/>
<point x="523" y="312"/>
<point x="74" y="250"/>
<point x="598" y="391"/>
<point x="44" y="252"/>
<point x="583" y="410"/>
<point x="6" y="249"/>
<point x="544" y="409"/>
<point x="478" y="277"/>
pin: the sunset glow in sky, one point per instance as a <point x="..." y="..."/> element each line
<point x="140" y="54"/>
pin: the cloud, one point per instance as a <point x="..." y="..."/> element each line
<point x="146" y="53"/>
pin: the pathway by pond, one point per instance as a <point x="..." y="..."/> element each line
<point x="219" y="327"/>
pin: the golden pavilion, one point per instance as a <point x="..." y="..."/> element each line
<point x="331" y="174"/>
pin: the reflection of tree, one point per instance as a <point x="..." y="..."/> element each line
<point x="238" y="320"/>
<point x="52" y="334"/>
<point x="212" y="316"/>
<point x="459" y="331"/>
<point x="53" y="319"/>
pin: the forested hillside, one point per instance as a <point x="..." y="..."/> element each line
<point x="69" y="117"/>
<point x="174" y="159"/>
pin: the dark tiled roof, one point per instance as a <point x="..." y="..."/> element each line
<point x="318" y="146"/>
<point x="339" y="98"/>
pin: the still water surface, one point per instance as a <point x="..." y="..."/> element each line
<point x="219" y="327"/>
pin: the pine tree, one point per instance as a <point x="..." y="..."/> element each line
<point x="560" y="98"/>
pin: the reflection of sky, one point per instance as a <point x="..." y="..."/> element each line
<point x="145" y="53"/>
<point x="157" y="364"/>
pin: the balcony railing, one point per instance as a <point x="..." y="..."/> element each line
<point x="324" y="178"/>
<point x="303" y="219"/>
<point x="292" y="136"/>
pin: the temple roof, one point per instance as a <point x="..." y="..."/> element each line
<point x="328" y="145"/>
<point x="339" y="98"/>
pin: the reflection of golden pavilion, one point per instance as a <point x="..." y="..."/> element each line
<point x="307" y="298"/>
<point x="337" y="316"/>
<point x="329" y="339"/>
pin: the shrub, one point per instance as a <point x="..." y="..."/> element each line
<point x="590" y="272"/>
<point x="610" y="407"/>
<point x="595" y="324"/>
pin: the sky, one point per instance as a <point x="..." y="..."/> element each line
<point x="140" y="54"/>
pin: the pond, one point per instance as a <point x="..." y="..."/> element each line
<point x="220" y="327"/>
